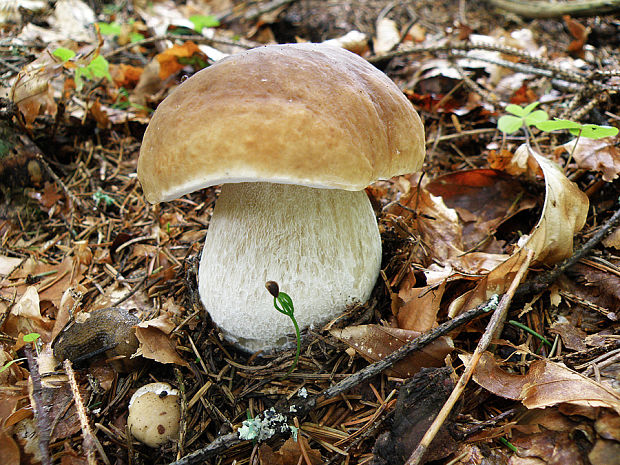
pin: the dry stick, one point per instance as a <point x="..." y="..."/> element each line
<point x="302" y="406"/>
<point x="494" y="325"/>
<point x="537" y="9"/>
<point x="89" y="442"/>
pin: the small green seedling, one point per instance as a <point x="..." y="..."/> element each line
<point x="202" y="21"/>
<point x="525" y="117"/>
<point x="521" y="117"/>
<point x="591" y="131"/>
<point x="97" y="67"/>
<point x="285" y="307"/>
<point x="114" y="29"/>
<point x="31" y="338"/>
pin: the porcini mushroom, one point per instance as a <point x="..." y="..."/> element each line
<point x="154" y="414"/>
<point x="294" y="133"/>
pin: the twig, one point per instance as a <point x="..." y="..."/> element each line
<point x="538" y="9"/>
<point x="539" y="65"/>
<point x="89" y="441"/>
<point x="493" y="327"/>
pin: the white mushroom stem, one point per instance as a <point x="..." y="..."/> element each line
<point x="322" y="246"/>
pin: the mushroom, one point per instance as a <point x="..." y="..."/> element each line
<point x="294" y="133"/>
<point x="154" y="414"/>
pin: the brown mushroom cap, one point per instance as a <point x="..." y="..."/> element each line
<point x="306" y="114"/>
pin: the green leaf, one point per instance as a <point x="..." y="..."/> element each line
<point x="99" y="67"/>
<point x="202" y="21"/>
<point x="527" y="110"/>
<point x="109" y="29"/>
<point x="81" y="74"/>
<point x="509" y="124"/>
<point x="31" y="337"/>
<point x="136" y="37"/>
<point x="594" y="131"/>
<point x="536" y="117"/>
<point x="557" y="124"/>
<point x="516" y="110"/>
<point x="63" y="53"/>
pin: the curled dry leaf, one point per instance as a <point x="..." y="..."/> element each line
<point x="602" y="155"/>
<point x="484" y="199"/>
<point x="289" y="453"/>
<point x="564" y="214"/>
<point x="418" y="306"/>
<point x="375" y="342"/>
<point x="546" y="384"/>
<point x="156" y="344"/>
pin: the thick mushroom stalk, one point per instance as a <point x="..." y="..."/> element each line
<point x="321" y="245"/>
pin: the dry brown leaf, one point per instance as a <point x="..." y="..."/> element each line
<point x="288" y="454"/>
<point x="605" y="452"/>
<point x="437" y="224"/>
<point x="169" y="60"/>
<point x="158" y="346"/>
<point x="564" y="214"/>
<point x="602" y="155"/>
<point x="572" y="337"/>
<point x="547" y="447"/>
<point x="418" y="306"/>
<point x="375" y="342"/>
<point x="483" y="199"/>
<point x="31" y="91"/>
<point x="9" y="451"/>
<point x="545" y="384"/>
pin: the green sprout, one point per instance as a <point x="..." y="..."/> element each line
<point x="97" y="67"/>
<point x="523" y="118"/>
<point x="114" y="29"/>
<point x="520" y="117"/>
<point x="30" y="338"/>
<point x="202" y="21"/>
<point x="285" y="307"/>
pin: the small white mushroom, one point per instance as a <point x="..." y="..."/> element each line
<point x="154" y="414"/>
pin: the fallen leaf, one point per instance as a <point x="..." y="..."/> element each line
<point x="158" y="346"/>
<point x="9" y="451"/>
<point x="550" y="447"/>
<point x="483" y="199"/>
<point x="607" y="425"/>
<point x="572" y="337"/>
<point x="605" y="452"/>
<point x="435" y="222"/>
<point x="546" y="384"/>
<point x="564" y="214"/>
<point x="289" y="453"/>
<point x="602" y="155"/>
<point x="177" y="57"/>
<point x="375" y="342"/>
<point x="418" y="306"/>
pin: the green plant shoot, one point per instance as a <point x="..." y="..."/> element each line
<point x="97" y="67"/>
<point x="202" y="21"/>
<point x="520" y="117"/>
<point x="284" y="304"/>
